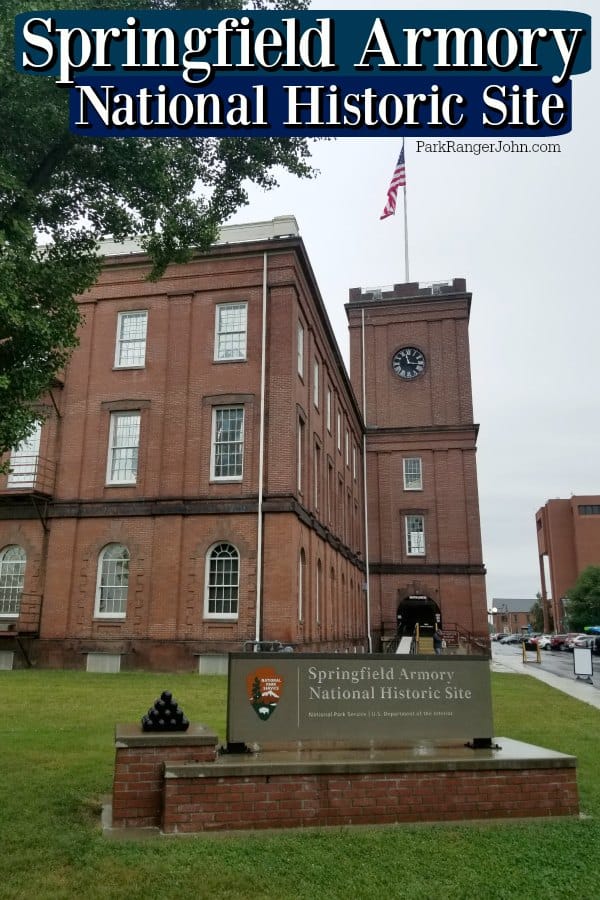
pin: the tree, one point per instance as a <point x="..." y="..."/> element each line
<point x="536" y="615"/>
<point x="70" y="191"/>
<point x="583" y="600"/>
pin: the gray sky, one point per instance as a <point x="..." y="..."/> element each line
<point x="521" y="229"/>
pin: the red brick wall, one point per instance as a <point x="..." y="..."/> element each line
<point x="288" y="801"/>
<point x="138" y="782"/>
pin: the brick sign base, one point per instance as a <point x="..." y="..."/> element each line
<point x="178" y="783"/>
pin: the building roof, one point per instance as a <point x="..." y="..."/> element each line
<point x="513" y="604"/>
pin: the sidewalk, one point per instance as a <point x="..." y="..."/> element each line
<point x="580" y="690"/>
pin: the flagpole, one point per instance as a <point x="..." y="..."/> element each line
<point x="398" y="180"/>
<point x="406" y="269"/>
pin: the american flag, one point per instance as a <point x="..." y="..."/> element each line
<point x="398" y="180"/>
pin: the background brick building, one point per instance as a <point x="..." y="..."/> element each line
<point x="568" y="534"/>
<point x="197" y="482"/>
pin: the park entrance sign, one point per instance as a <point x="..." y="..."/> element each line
<point x="358" y="701"/>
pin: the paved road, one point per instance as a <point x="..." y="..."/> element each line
<point x="556" y="669"/>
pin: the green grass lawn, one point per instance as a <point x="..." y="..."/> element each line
<point x="56" y="747"/>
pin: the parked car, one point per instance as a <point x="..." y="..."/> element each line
<point x="544" y="641"/>
<point x="531" y="640"/>
<point x="582" y="640"/>
<point x="568" y="642"/>
<point x="557" y="641"/>
<point x="512" y="639"/>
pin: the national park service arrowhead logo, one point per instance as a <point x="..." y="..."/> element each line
<point x="264" y="691"/>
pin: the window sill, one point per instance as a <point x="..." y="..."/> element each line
<point x="113" y="484"/>
<point x="218" y="620"/>
<point x="233" y="359"/>
<point x="237" y="479"/>
<point x="125" y="368"/>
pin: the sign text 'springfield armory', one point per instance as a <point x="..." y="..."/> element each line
<point x="345" y="73"/>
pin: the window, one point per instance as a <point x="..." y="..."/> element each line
<point x="222" y="582"/>
<point x="588" y="509"/>
<point x="301" y="580"/>
<point x="24" y="460"/>
<point x="300" y="350"/>
<point x="413" y="475"/>
<point x="300" y="454"/>
<point x="354" y="462"/>
<point x="318" y="590"/>
<point x="339" y="432"/>
<point x="231" y="325"/>
<point x="113" y="581"/>
<point x="228" y="443"/>
<point x="130" y="352"/>
<point x="316" y="373"/>
<point x="415" y="535"/>
<point x="12" y="578"/>
<point x="329" y="410"/>
<point x="123" y="442"/>
<point x="347" y="448"/>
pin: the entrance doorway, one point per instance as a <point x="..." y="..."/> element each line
<point x="417" y="609"/>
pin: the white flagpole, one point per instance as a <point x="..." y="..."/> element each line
<point x="406" y="268"/>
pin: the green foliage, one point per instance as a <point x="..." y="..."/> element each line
<point x="536" y="616"/>
<point x="583" y="600"/>
<point x="71" y="190"/>
<point x="57" y="733"/>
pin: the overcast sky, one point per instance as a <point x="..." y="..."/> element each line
<point x="522" y="230"/>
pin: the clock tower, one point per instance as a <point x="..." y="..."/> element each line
<point x="410" y="369"/>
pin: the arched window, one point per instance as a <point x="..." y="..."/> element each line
<point x="12" y="577"/>
<point x="301" y="581"/>
<point x="112" y="582"/>
<point x="222" y="589"/>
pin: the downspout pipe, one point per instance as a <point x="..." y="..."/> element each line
<point x="365" y="491"/>
<point x="261" y="456"/>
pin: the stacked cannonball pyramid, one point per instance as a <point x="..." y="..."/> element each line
<point x="165" y="715"/>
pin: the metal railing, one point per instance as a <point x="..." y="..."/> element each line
<point x="29" y="474"/>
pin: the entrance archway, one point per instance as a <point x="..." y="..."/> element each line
<point x="416" y="609"/>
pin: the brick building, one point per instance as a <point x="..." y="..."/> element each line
<point x="197" y="479"/>
<point x="410" y="368"/>
<point x="568" y="535"/>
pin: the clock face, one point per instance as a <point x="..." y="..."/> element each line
<point x="408" y="362"/>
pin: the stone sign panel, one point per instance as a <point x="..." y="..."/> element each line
<point x="359" y="700"/>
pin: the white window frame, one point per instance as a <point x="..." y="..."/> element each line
<point x="102" y="614"/>
<point x="347" y="448"/>
<point x="413" y="481"/>
<point x="222" y="616"/>
<point x="24" y="459"/>
<point x="317" y="475"/>
<point x="300" y="348"/>
<point x="238" y="351"/>
<point x="316" y="368"/>
<point x="213" y="444"/>
<point x="415" y="536"/>
<point x="329" y="410"/>
<point x="12" y="580"/>
<point x="339" y="431"/>
<point x="114" y="418"/>
<point x="122" y="341"/>
<point x="354" y="461"/>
